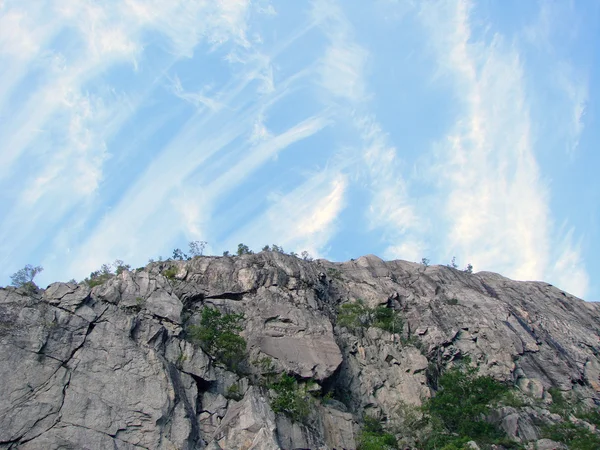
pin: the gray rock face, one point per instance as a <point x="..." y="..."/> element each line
<point x="110" y="367"/>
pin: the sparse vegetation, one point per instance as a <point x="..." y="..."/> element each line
<point x="120" y="266"/>
<point x="373" y="436"/>
<point x="106" y="272"/>
<point x="357" y="315"/>
<point x="306" y="256"/>
<point x="196" y="248"/>
<point x="218" y="335"/>
<point x="234" y="392"/>
<point x="243" y="250"/>
<point x="99" y="277"/>
<point x="456" y="412"/>
<point x="577" y="437"/>
<point x="181" y="359"/>
<point x="452" y="301"/>
<point x="170" y="273"/>
<point x="353" y="315"/>
<point x="266" y="369"/>
<point x="334" y="273"/>
<point x="425" y="262"/>
<point x="559" y="404"/>
<point x="291" y="399"/>
<point x="387" y="319"/>
<point x="24" y="277"/>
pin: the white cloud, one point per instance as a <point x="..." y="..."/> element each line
<point x="408" y="251"/>
<point x="343" y="64"/>
<point x="342" y="71"/>
<point x="57" y="123"/>
<point x="343" y="75"/>
<point x="259" y="131"/>
<point x="497" y="202"/>
<point x="568" y="270"/>
<point x="197" y="99"/>
<point x="303" y="219"/>
<point x="575" y="87"/>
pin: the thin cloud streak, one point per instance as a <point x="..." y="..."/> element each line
<point x="497" y="203"/>
<point x="303" y="219"/>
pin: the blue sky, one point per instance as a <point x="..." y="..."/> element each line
<point x="406" y="129"/>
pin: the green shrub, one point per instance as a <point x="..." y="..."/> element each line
<point x="387" y="319"/>
<point x="290" y="399"/>
<point x="266" y="369"/>
<point x="452" y="301"/>
<point x="373" y="437"/>
<point x="243" y="250"/>
<point x="592" y="417"/>
<point x="357" y="315"/>
<point x="218" y="335"/>
<point x="559" y="403"/>
<point x="334" y="273"/>
<point x="99" y="277"/>
<point x="120" y="266"/>
<point x="576" y="437"/>
<point x="353" y="315"/>
<point x="24" y="277"/>
<point x="170" y="273"/>
<point x="234" y="392"/>
<point x="459" y="406"/>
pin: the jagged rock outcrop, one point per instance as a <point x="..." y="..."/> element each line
<point x="111" y="366"/>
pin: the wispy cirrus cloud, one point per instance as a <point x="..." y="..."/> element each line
<point x="60" y="108"/>
<point x="304" y="218"/>
<point x="497" y="202"/>
<point x="344" y="77"/>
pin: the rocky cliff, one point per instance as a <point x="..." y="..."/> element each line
<point x="114" y="366"/>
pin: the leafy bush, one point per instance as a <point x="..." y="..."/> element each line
<point x="387" y="319"/>
<point x="196" y="248"/>
<point x="120" y="266"/>
<point x="99" y="277"/>
<point x="170" y="273"/>
<point x="459" y="406"/>
<point x="373" y="437"/>
<point x="234" y="392"/>
<point x="24" y="277"/>
<point x="106" y="272"/>
<point x="306" y="256"/>
<point x="266" y="369"/>
<point x="559" y="404"/>
<point x="357" y="315"/>
<point x="592" y="417"/>
<point x="243" y="250"/>
<point x="353" y="315"/>
<point x="218" y="336"/>
<point x="576" y="437"/>
<point x="290" y="399"/>
<point x="452" y="301"/>
<point x="334" y="273"/>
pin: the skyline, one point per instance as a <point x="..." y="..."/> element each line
<point x="399" y="128"/>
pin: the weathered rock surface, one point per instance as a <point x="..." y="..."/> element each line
<point x="110" y="367"/>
